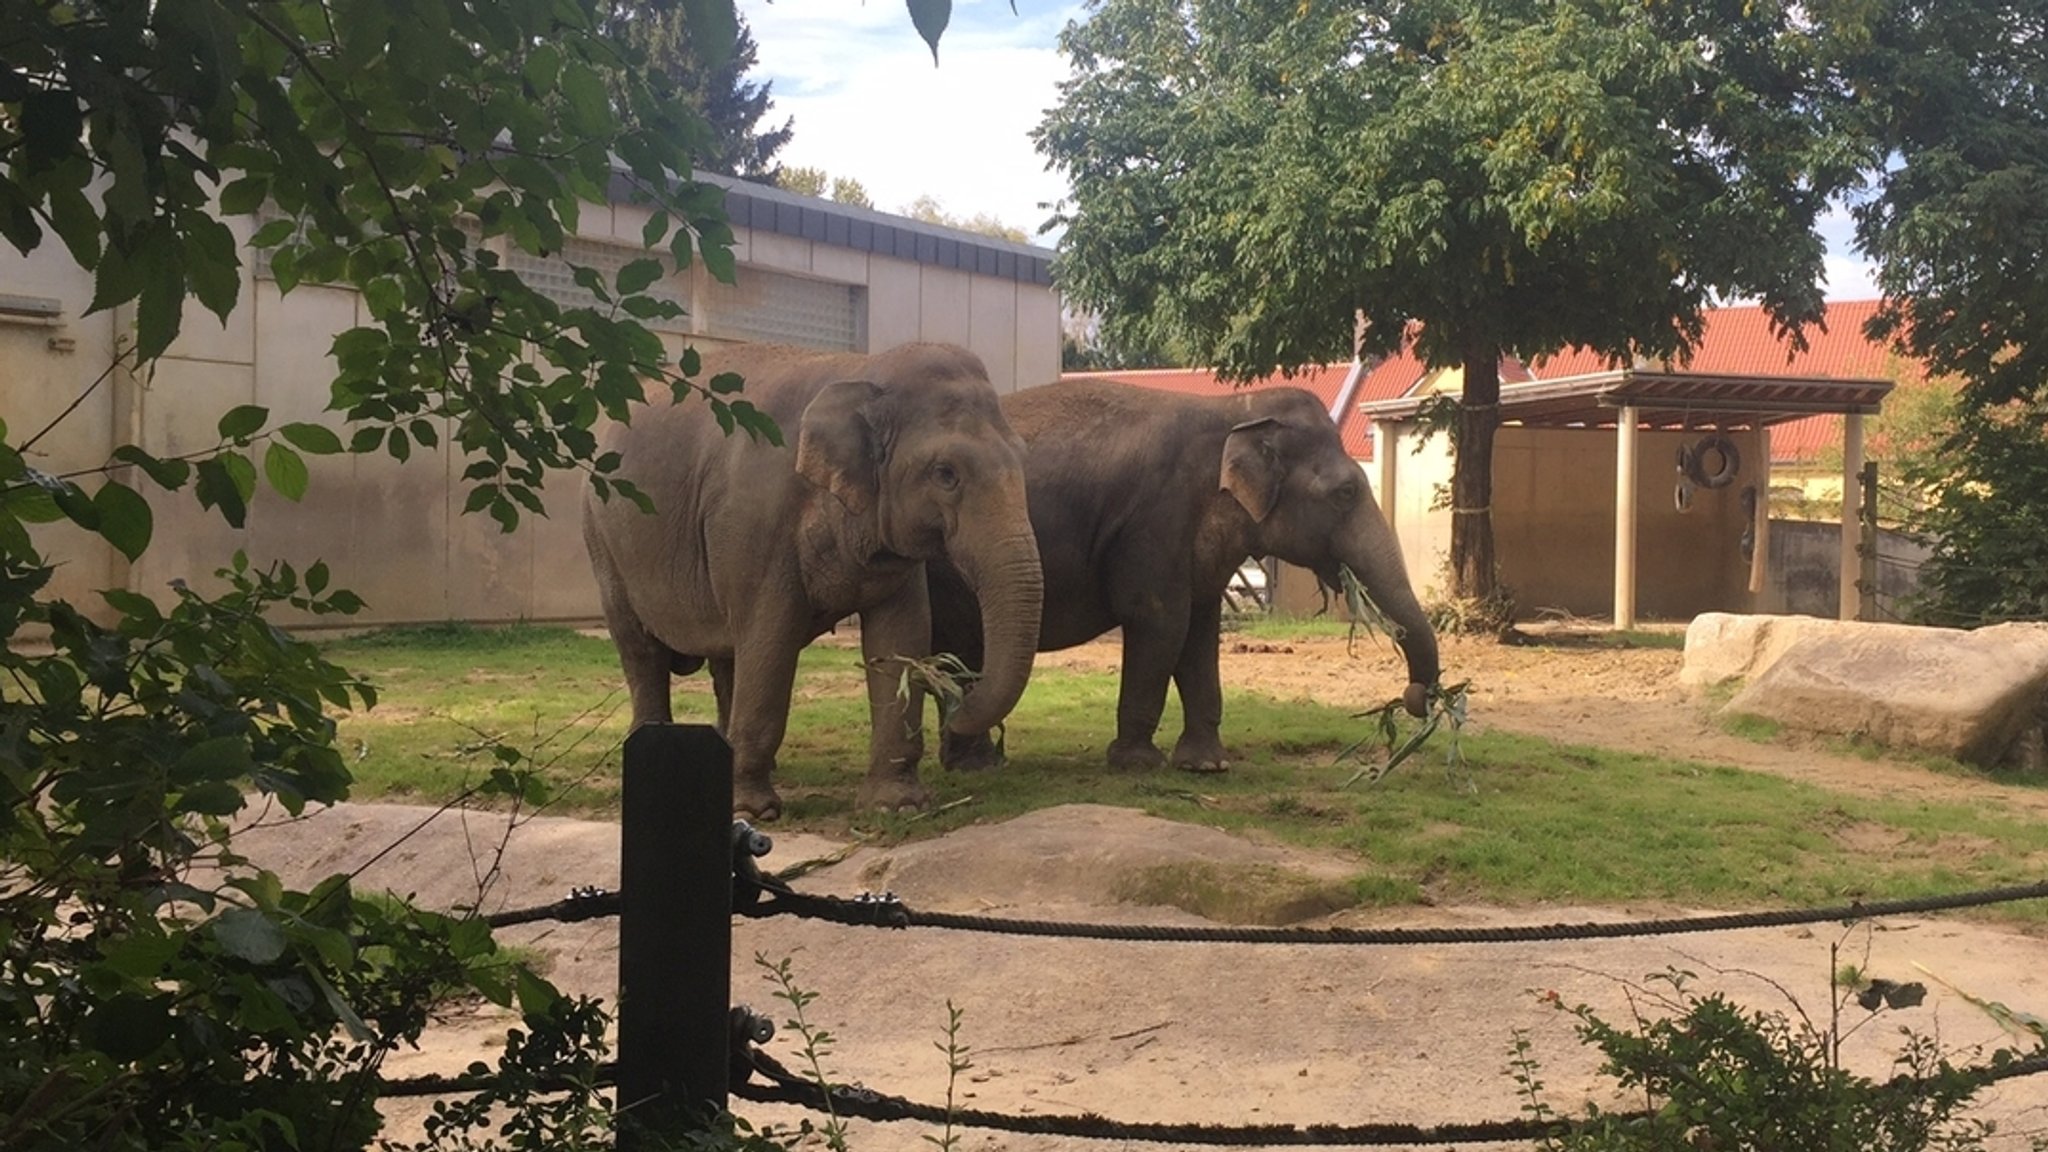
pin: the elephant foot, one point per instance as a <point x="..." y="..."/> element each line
<point x="893" y="794"/>
<point x="755" y="802"/>
<point x="1204" y="755"/>
<point x="1135" y="756"/>
<point x="975" y="753"/>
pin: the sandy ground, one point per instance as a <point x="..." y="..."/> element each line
<point x="1230" y="1033"/>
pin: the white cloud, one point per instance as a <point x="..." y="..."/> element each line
<point x="870" y="105"/>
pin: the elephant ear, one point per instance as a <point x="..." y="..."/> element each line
<point x="838" y="447"/>
<point x="1251" y="466"/>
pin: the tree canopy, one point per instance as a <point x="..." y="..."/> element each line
<point x="149" y="996"/>
<point x="1952" y="95"/>
<point x="1482" y="177"/>
<point x="732" y="105"/>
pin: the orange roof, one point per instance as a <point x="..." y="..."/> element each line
<point x="1736" y="341"/>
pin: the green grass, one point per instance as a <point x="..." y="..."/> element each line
<point x="1523" y="821"/>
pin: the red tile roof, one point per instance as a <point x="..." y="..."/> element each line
<point x="1736" y="341"/>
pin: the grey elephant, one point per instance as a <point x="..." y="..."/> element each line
<point x="1145" y="503"/>
<point x="753" y="550"/>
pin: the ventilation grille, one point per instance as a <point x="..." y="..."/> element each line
<point x="552" y="277"/>
<point x="774" y="307"/>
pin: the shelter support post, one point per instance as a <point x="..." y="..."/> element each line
<point x="1386" y="447"/>
<point x="1760" y="528"/>
<point x="1625" y="520"/>
<point x="1852" y="502"/>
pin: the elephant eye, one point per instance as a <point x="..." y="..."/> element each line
<point x="1345" y="494"/>
<point x="945" y="477"/>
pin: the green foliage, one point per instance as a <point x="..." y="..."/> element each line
<point x="156" y="991"/>
<point x="928" y="209"/>
<point x="378" y="147"/>
<point x="822" y="184"/>
<point x="1986" y="522"/>
<point x="731" y="105"/>
<point x="1958" y="224"/>
<point x="814" y="1043"/>
<point x="1711" y="1074"/>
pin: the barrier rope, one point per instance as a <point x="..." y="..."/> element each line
<point x="886" y="911"/>
<point x="786" y="1087"/>
<point x="586" y="903"/>
<point x="434" y="1084"/>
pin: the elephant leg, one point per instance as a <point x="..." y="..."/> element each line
<point x="1152" y="646"/>
<point x="1200" y="684"/>
<point x="721" y="690"/>
<point x="763" y="676"/>
<point x="899" y="626"/>
<point x="645" y="661"/>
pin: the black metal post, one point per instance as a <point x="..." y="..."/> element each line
<point x="675" y="927"/>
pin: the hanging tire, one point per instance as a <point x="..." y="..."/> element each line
<point x="1727" y="461"/>
<point x="1681" y="496"/>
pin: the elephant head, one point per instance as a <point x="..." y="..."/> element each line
<point x="1310" y="505"/>
<point x="927" y="466"/>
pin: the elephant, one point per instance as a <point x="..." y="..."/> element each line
<point x="894" y="461"/>
<point x="1145" y="503"/>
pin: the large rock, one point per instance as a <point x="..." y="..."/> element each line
<point x="1724" y="646"/>
<point x="1976" y="696"/>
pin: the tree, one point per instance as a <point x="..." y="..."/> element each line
<point x="928" y="209"/>
<point x="847" y="190"/>
<point x="825" y="186"/>
<point x="1958" y="225"/>
<point x="730" y="105"/>
<point x="803" y="181"/>
<point x="1520" y="177"/>
<point x="149" y="998"/>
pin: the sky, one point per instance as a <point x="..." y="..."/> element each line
<point x="870" y="105"/>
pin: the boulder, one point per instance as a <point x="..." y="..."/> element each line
<point x="1724" y="646"/>
<point x="1976" y="696"/>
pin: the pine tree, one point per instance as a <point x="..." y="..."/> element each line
<point x="732" y="105"/>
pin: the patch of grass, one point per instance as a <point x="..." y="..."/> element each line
<point x="1281" y="626"/>
<point x="1750" y="726"/>
<point x="1523" y="820"/>
<point x="1257" y="895"/>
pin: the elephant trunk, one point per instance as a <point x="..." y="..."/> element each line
<point x="1375" y="558"/>
<point x="1008" y="582"/>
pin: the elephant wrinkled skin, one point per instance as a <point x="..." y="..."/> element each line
<point x="1145" y="503"/>
<point x="754" y="550"/>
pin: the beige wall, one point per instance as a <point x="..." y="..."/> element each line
<point x="1553" y="522"/>
<point x="393" y="532"/>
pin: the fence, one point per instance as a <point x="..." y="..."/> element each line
<point x="687" y="868"/>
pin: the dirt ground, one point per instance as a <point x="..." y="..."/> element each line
<point x="1233" y="1034"/>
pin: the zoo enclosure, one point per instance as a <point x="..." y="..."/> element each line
<point x="687" y="868"/>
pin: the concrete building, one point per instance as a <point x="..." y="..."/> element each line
<point x="811" y="272"/>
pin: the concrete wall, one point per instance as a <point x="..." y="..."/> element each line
<point x="1806" y="564"/>
<point x="394" y="532"/>
<point x="1553" y="521"/>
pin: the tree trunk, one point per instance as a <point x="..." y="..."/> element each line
<point x="1472" y="562"/>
